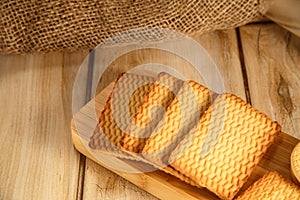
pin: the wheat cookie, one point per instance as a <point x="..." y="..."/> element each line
<point x="272" y="186"/>
<point x="182" y="115"/>
<point x="222" y="150"/>
<point x="152" y="110"/>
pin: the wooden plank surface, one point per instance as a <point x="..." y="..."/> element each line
<point x="223" y="48"/>
<point x="272" y="58"/>
<point x="38" y="160"/>
<point x="220" y="45"/>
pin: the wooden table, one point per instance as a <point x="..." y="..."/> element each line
<point x="258" y="62"/>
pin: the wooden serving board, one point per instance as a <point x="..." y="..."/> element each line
<point x="158" y="183"/>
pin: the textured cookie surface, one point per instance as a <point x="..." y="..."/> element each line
<point x="152" y="110"/>
<point x="272" y="186"/>
<point x="229" y="140"/>
<point x="295" y="164"/>
<point x="183" y="113"/>
<point x="109" y="141"/>
<point x="118" y="111"/>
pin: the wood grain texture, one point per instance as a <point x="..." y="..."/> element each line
<point x="223" y="48"/>
<point x="108" y="185"/>
<point x="220" y="45"/>
<point x="38" y="159"/>
<point x="272" y="58"/>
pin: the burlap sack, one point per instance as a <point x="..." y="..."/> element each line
<point x="50" y="25"/>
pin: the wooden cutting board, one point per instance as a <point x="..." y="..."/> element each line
<point x="158" y="183"/>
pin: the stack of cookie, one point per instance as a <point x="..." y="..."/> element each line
<point x="206" y="139"/>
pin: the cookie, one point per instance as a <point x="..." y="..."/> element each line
<point x="124" y="101"/>
<point x="182" y="115"/>
<point x="222" y="150"/>
<point x="161" y="94"/>
<point x="272" y="186"/>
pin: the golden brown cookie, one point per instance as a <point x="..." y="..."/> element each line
<point x="182" y="115"/>
<point x="221" y="152"/>
<point x="118" y="111"/>
<point x="160" y="96"/>
<point x="272" y="186"/>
